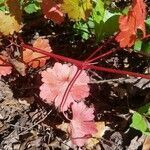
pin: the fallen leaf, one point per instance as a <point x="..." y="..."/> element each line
<point x="146" y="144"/>
<point x="19" y="66"/>
<point x="35" y="59"/>
<point x="51" y="10"/>
<point x="4" y="69"/>
<point x="63" y="127"/>
<point x="91" y="142"/>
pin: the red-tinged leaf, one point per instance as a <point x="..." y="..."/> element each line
<point x="130" y="23"/>
<point x="35" y="59"/>
<point x="56" y="81"/>
<point x="139" y="9"/>
<point x="82" y="125"/>
<point x="51" y="10"/>
<point x="4" y="69"/>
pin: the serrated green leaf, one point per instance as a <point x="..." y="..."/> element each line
<point x="138" y="45"/>
<point x="98" y="11"/>
<point x="32" y="8"/>
<point x="139" y="122"/>
<point x="82" y="29"/>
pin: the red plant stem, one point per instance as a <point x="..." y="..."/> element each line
<point x="103" y="55"/>
<point x="5" y="65"/>
<point x="99" y="48"/>
<point x="147" y="36"/>
<point x="55" y="56"/>
<point x="117" y="71"/>
<point x="5" y="62"/>
<point x="85" y="65"/>
<point x="78" y="72"/>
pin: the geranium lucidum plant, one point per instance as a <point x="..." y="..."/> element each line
<point x="64" y="85"/>
<point x="55" y="86"/>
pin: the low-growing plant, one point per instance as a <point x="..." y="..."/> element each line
<point x="66" y="85"/>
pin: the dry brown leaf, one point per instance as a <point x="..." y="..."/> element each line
<point x="14" y="9"/>
<point x="95" y="137"/>
<point x="146" y="145"/>
<point x="19" y="66"/>
<point x="63" y="126"/>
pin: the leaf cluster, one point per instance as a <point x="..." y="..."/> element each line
<point x="140" y="119"/>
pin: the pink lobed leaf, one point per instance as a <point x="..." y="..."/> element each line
<point x="55" y="81"/>
<point x="4" y="70"/>
<point x="82" y="125"/>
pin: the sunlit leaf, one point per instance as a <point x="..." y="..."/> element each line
<point x="77" y="9"/>
<point x="138" y="45"/>
<point x="140" y="123"/>
<point x="35" y="59"/>
<point x="130" y="23"/>
<point x="32" y="7"/>
<point x="98" y="11"/>
<point x="8" y="24"/>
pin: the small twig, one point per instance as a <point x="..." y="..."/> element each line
<point x="18" y="126"/>
<point x="109" y="80"/>
<point x="103" y="55"/>
<point x="36" y="123"/>
<point x="59" y="140"/>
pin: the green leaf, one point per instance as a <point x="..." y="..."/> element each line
<point x="139" y="122"/>
<point x="2" y="8"/>
<point x="99" y="30"/>
<point x="108" y="26"/>
<point x="138" y="45"/>
<point x="82" y="29"/>
<point x="146" y="47"/>
<point x="111" y="25"/>
<point x="144" y="109"/>
<point x="148" y="21"/>
<point x="98" y="11"/>
<point x="32" y="8"/>
<point x="2" y="1"/>
<point x="125" y="10"/>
